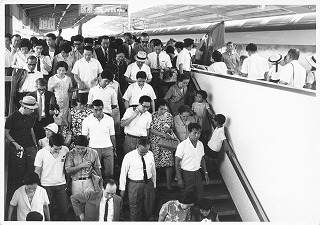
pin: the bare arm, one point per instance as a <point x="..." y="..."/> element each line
<point x="126" y="104"/>
<point x="46" y="212"/>
<point x="126" y="122"/>
<point x="129" y="80"/>
<point x="180" y="68"/>
<point x="11" y="208"/>
<point x="34" y="137"/>
<point x="204" y="168"/>
<point x="38" y="170"/>
<point x="283" y="82"/>
<point x="10" y="139"/>
<point x="178" y="171"/>
<point x="153" y="106"/>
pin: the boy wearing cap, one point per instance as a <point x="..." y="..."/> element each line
<point x="23" y="147"/>
<point x="135" y="67"/>
<point x="50" y="130"/>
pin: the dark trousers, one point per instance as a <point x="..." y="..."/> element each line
<point x="141" y="200"/>
<point x="107" y="161"/>
<point x="192" y="183"/>
<point x="59" y="195"/>
<point x="155" y="82"/>
<point x="17" y="167"/>
<point x="129" y="144"/>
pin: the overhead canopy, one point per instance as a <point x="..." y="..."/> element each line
<point x="168" y="15"/>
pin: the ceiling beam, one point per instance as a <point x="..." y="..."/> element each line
<point x="44" y="12"/>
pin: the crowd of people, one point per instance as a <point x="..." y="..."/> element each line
<point x="71" y="100"/>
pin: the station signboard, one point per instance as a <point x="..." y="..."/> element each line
<point x="47" y="24"/>
<point x="104" y="9"/>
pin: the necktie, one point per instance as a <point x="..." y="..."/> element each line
<point x="158" y="62"/>
<point x="106" y="54"/>
<point x="145" y="177"/>
<point x="130" y="50"/>
<point x="38" y="63"/>
<point x="40" y="107"/>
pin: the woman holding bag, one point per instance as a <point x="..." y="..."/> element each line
<point x="161" y="126"/>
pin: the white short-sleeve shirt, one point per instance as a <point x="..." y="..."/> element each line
<point x="134" y="92"/>
<point x="29" y="84"/>
<point x="190" y="156"/>
<point x="255" y="66"/>
<point x="99" y="132"/>
<point x="107" y="95"/>
<point x="293" y="74"/>
<point x="87" y="72"/>
<point x="218" y="67"/>
<point x="217" y="139"/>
<point x="52" y="173"/>
<point x="20" y="200"/>
<point x="139" y="125"/>
<point x="133" y="69"/>
<point x="184" y="57"/>
<point x="164" y="60"/>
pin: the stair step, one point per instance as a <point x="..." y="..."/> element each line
<point x="224" y="207"/>
<point x="175" y="183"/>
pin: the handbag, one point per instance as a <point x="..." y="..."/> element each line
<point x="170" y="144"/>
<point x="96" y="181"/>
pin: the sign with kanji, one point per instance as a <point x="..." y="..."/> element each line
<point x="104" y="9"/>
<point x="47" y="23"/>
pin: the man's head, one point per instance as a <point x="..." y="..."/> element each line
<point x="128" y="38"/>
<point x="219" y="119"/>
<point x="77" y="41"/>
<point x="29" y="104"/>
<point x="15" y="40"/>
<point x="179" y="46"/>
<point x="157" y="45"/>
<point x="38" y="47"/>
<point x="293" y="54"/>
<point x="141" y="78"/>
<point x="41" y="85"/>
<point x="144" y="39"/>
<point x="106" y="77"/>
<point x="88" y="42"/>
<point x="216" y="56"/>
<point x="56" y="141"/>
<point x="81" y="142"/>
<point x="120" y="56"/>
<point x="110" y="188"/>
<point x="188" y="43"/>
<point x="144" y="103"/>
<point x="31" y="62"/>
<point x="51" y="39"/>
<point x="230" y="46"/>
<point x="8" y="38"/>
<point x="143" y="146"/>
<point x="141" y="58"/>
<point x="251" y="48"/>
<point x="65" y="49"/>
<point x="87" y="53"/>
<point x="194" y="131"/>
<point x="104" y="41"/>
<point x="97" y="106"/>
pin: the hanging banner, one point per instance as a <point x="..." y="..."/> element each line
<point x="47" y="23"/>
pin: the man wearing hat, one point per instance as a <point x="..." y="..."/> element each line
<point x="311" y="76"/>
<point x="293" y="74"/>
<point x="275" y="69"/>
<point x="135" y="67"/>
<point x="23" y="147"/>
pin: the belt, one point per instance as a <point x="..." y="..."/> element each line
<point x="136" y="136"/>
<point x="138" y="181"/>
<point x="84" y="178"/>
<point x="190" y="171"/>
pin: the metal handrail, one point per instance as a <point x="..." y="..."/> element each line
<point x="240" y="172"/>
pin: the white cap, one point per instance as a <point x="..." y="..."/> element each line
<point x="53" y="127"/>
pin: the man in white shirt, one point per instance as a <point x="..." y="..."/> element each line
<point x="160" y="63"/>
<point x="188" y="161"/>
<point x="184" y="57"/>
<point x="138" y="65"/>
<point x="254" y="67"/>
<point x="101" y="206"/>
<point x="136" y="122"/>
<point x="104" y="92"/>
<point x="293" y="74"/>
<point x="99" y="127"/>
<point x="138" y="171"/>
<point x="86" y="71"/>
<point x="49" y="165"/>
<point x="44" y="64"/>
<point x="136" y="90"/>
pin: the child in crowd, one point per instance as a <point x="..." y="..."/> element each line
<point x="200" y="108"/>
<point x="51" y="129"/>
<point x="203" y="211"/>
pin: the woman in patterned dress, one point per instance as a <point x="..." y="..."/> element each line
<point x="77" y="115"/>
<point x="61" y="85"/>
<point x="177" y="94"/>
<point x="162" y="122"/>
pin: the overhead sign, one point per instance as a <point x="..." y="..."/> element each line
<point x="104" y="9"/>
<point x="47" y="23"/>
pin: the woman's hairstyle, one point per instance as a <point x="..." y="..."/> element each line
<point x="203" y="94"/>
<point x="66" y="47"/>
<point x="182" y="77"/>
<point x="24" y="42"/>
<point x="62" y="64"/>
<point x="184" y="108"/>
<point x="162" y="102"/>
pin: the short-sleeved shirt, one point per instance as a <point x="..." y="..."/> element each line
<point x="218" y="67"/>
<point x="255" y="66"/>
<point x="20" y="200"/>
<point x="87" y="72"/>
<point x="99" y="132"/>
<point x="52" y="173"/>
<point x="231" y="60"/>
<point x="164" y="60"/>
<point x="74" y="158"/>
<point x="272" y="72"/>
<point x="107" y="95"/>
<point x="190" y="156"/>
<point x="20" y="128"/>
<point x="293" y="74"/>
<point x="184" y="57"/>
<point x="172" y="212"/>
<point x="217" y="139"/>
<point x="133" y="69"/>
<point x="134" y="92"/>
<point x="139" y="125"/>
<point x="47" y="60"/>
<point x="29" y="85"/>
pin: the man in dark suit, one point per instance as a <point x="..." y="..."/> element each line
<point x="47" y="105"/>
<point x="100" y="206"/>
<point x="105" y="54"/>
<point x="129" y="45"/>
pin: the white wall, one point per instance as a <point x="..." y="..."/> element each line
<point x="273" y="133"/>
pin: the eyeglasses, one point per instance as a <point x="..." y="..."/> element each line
<point x="32" y="64"/>
<point x="146" y="107"/>
<point x="76" y="43"/>
<point x="41" y="89"/>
